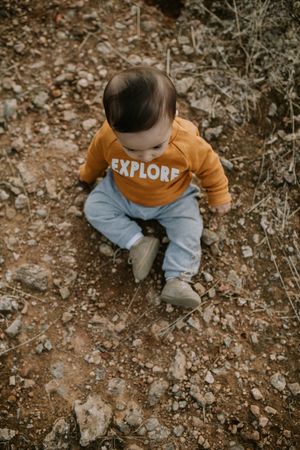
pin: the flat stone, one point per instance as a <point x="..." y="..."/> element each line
<point x="178" y="367"/>
<point x="14" y="328"/>
<point x="6" y="434"/>
<point x="194" y="323"/>
<point x="197" y="395"/>
<point x="21" y="202"/>
<point x="57" y="369"/>
<point x="235" y="280"/>
<point x="278" y="381"/>
<point x="257" y="395"/>
<point x="88" y="124"/>
<point x="128" y="417"/>
<point x="51" y="188"/>
<point x="152" y="424"/>
<point x="226" y="164"/>
<point x="160" y="434"/>
<point x="208" y="313"/>
<point x="8" y="304"/>
<point x="209" y="237"/>
<point x="255" y="410"/>
<point x="247" y="251"/>
<point x="213" y="133"/>
<point x="183" y="85"/>
<point x="106" y="250"/>
<point x="263" y="421"/>
<point x="40" y="99"/>
<point x="93" y="417"/>
<point x="294" y="388"/>
<point x="209" y="398"/>
<point x="204" y="104"/>
<point x="209" y="378"/>
<point x="64" y="292"/>
<point x="10" y="109"/>
<point x="59" y="436"/>
<point x="157" y="390"/>
<point x="61" y="148"/>
<point x="116" y="387"/>
<point x="33" y="276"/>
<point x="270" y="410"/>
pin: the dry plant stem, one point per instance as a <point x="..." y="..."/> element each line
<point x="108" y="44"/>
<point x="292" y="167"/>
<point x="26" y="294"/>
<point x="193" y="39"/>
<point x="237" y="21"/>
<point x="280" y="277"/>
<point x="29" y="340"/>
<point x="293" y="213"/>
<point x="294" y="271"/>
<point x="168" y="62"/>
<point x="212" y="14"/>
<point x="138" y="21"/>
<point x="284" y="216"/>
<point x="292" y="266"/>
<point x="84" y="41"/>
<point x="260" y="175"/>
<point x="134" y="296"/>
<point x="263" y="200"/>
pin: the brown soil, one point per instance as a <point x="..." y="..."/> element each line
<point x="253" y="330"/>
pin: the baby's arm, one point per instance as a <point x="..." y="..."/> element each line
<point x="208" y="168"/>
<point x="95" y="164"/>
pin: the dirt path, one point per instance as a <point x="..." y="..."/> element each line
<point x="76" y="331"/>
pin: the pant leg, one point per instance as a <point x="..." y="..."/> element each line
<point x="108" y="211"/>
<point x="183" y="224"/>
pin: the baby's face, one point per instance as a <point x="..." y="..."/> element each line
<point x="147" y="145"/>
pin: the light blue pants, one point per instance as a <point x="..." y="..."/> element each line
<point x="113" y="215"/>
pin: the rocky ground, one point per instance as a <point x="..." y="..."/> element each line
<point x="88" y="358"/>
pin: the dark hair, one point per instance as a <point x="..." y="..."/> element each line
<point x="136" y="98"/>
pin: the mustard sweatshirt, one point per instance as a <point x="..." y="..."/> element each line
<point x="165" y="178"/>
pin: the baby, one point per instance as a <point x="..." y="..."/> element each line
<point x="150" y="156"/>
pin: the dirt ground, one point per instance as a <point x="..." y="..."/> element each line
<point x="74" y="324"/>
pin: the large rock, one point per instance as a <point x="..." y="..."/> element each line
<point x="33" y="276"/>
<point x="8" y="304"/>
<point x="93" y="418"/>
<point x="6" y="434"/>
<point x="59" y="436"/>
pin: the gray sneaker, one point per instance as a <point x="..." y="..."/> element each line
<point x="142" y="256"/>
<point x="180" y="293"/>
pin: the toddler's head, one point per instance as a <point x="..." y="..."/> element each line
<point x="140" y="106"/>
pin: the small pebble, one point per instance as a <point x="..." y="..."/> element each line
<point x="257" y="395"/>
<point x="278" y="381"/>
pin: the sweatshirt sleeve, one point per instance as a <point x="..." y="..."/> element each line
<point x="207" y="166"/>
<point x="95" y="164"/>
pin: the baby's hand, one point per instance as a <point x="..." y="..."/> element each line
<point x="221" y="209"/>
<point x="82" y="183"/>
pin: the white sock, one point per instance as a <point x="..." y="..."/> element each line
<point x="134" y="240"/>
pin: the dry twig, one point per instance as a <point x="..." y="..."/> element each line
<point x="281" y="278"/>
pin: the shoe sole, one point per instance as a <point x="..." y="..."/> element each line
<point x="185" y="302"/>
<point x="149" y="257"/>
